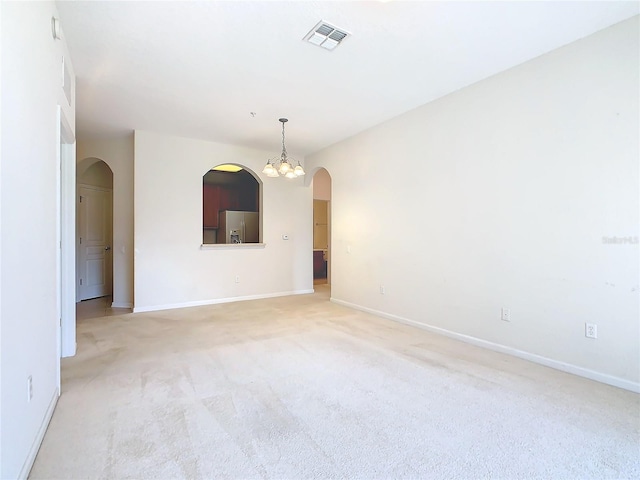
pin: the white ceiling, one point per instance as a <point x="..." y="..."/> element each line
<point x="197" y="69"/>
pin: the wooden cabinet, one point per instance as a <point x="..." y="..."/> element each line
<point x="210" y="205"/>
<point x="248" y="197"/>
<point x="229" y="199"/>
<point x="217" y="198"/>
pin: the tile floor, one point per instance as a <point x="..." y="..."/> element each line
<point x="98" y="307"/>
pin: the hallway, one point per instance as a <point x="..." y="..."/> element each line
<point x="98" y="307"/>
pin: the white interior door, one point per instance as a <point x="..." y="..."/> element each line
<point x="94" y="242"/>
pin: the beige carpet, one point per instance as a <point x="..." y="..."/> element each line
<point x="298" y="387"/>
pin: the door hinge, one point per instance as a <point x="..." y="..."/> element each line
<point x="80" y="198"/>
<point x="80" y="240"/>
<point x="80" y="281"/>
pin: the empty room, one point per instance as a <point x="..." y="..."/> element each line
<point x="315" y="239"/>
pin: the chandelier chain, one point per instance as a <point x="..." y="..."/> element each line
<point x="284" y="149"/>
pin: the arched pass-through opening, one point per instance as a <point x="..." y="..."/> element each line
<point x="94" y="233"/>
<point x="231" y="205"/>
<point x="321" y="185"/>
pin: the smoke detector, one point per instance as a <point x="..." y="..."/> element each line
<point x="326" y="35"/>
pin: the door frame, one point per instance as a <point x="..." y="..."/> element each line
<point x="66" y="234"/>
<point x="329" y="253"/>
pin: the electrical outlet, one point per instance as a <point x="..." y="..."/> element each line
<point x="381" y="289"/>
<point x="29" y="388"/>
<point x="237" y="278"/>
<point x="505" y="314"/>
<point x="590" y="330"/>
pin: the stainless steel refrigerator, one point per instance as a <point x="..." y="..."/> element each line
<point x="238" y="227"/>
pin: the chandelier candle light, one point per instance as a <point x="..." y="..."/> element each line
<point x="283" y="166"/>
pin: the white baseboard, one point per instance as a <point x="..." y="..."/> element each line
<point x="121" y="305"/>
<point x="532" y="357"/>
<point x="199" y="303"/>
<point x="35" y="446"/>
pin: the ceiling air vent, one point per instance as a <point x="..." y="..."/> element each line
<point x="326" y="36"/>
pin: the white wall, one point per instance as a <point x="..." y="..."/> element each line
<point x="171" y="269"/>
<point x="31" y="91"/>
<point x="322" y="185"/>
<point x="503" y="193"/>
<point x="117" y="153"/>
<point x="98" y="175"/>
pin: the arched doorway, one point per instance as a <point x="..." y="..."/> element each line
<point x="322" y="229"/>
<point x="94" y="230"/>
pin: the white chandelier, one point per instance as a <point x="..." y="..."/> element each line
<point x="282" y="166"/>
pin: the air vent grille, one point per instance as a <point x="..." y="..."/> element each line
<point x="326" y="35"/>
<point x="324" y="29"/>
<point x="337" y="35"/>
